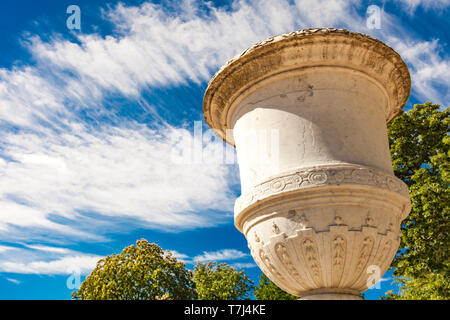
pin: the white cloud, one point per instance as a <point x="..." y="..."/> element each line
<point x="34" y="259"/>
<point x="220" y="255"/>
<point x="15" y="281"/>
<point x="153" y="46"/>
<point x="51" y="260"/>
<point x="244" y="265"/>
<point x="25" y="216"/>
<point x="46" y="260"/>
<point x="27" y="97"/>
<point x="412" y="5"/>
<point x="5" y="248"/>
<point x="118" y="172"/>
<point x="58" y="250"/>
<point x="54" y="168"/>
<point x="384" y="279"/>
<point x="429" y="71"/>
<point x="180" y="256"/>
<point x="65" y="265"/>
<point x="330" y="13"/>
<point x="156" y="48"/>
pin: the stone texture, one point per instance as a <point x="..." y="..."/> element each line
<point x="308" y="114"/>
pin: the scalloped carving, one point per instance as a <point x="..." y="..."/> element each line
<point x="300" y="254"/>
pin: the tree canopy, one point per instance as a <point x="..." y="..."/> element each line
<point x="221" y="282"/>
<point x="147" y="272"/>
<point x="419" y="144"/>
<point x="141" y="272"/>
<point x="267" y="290"/>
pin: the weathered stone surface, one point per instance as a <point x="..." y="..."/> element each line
<point x="306" y="49"/>
<point x="319" y="203"/>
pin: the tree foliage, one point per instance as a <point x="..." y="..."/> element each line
<point x="267" y="290"/>
<point x="221" y="282"/>
<point x="141" y="272"/>
<point x="419" y="144"/>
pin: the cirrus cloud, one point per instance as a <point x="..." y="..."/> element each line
<point x="68" y="174"/>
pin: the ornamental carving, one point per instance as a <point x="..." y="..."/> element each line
<point x="312" y="177"/>
<point x="348" y="248"/>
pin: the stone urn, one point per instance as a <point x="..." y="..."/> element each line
<point x="320" y="207"/>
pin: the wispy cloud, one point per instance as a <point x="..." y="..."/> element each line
<point x="244" y="265"/>
<point x="220" y="255"/>
<point x="117" y="172"/>
<point x="65" y="265"/>
<point x="180" y="256"/>
<point x="15" y="281"/>
<point x="51" y="260"/>
<point x="429" y="70"/>
<point x="5" y="248"/>
<point x="49" y="249"/>
<point x="64" y="178"/>
<point x="412" y="5"/>
<point x="46" y="260"/>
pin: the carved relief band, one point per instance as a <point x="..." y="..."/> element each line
<point x="321" y="176"/>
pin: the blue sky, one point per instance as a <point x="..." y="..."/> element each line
<point x="90" y="121"/>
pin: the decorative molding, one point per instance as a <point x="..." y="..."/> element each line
<point x="299" y="255"/>
<point x="268" y="264"/>
<point x="310" y="254"/>
<point x="257" y="238"/>
<point x="338" y="251"/>
<point x="338" y="220"/>
<point x="275" y="228"/>
<point x="384" y="253"/>
<point x="283" y="254"/>
<point x="321" y="176"/>
<point x="364" y="254"/>
<point x="298" y="219"/>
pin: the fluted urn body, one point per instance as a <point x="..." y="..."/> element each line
<point x="307" y="111"/>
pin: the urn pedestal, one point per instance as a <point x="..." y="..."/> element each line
<point x="307" y="111"/>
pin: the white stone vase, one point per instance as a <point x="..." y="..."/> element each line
<point x="320" y="207"/>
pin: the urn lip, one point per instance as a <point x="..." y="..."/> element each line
<point x="315" y="47"/>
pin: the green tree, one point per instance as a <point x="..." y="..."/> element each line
<point x="267" y="290"/>
<point x="141" y="272"/>
<point x="221" y="282"/>
<point x="419" y="144"/>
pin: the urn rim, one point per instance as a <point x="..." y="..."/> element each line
<point x="264" y="59"/>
